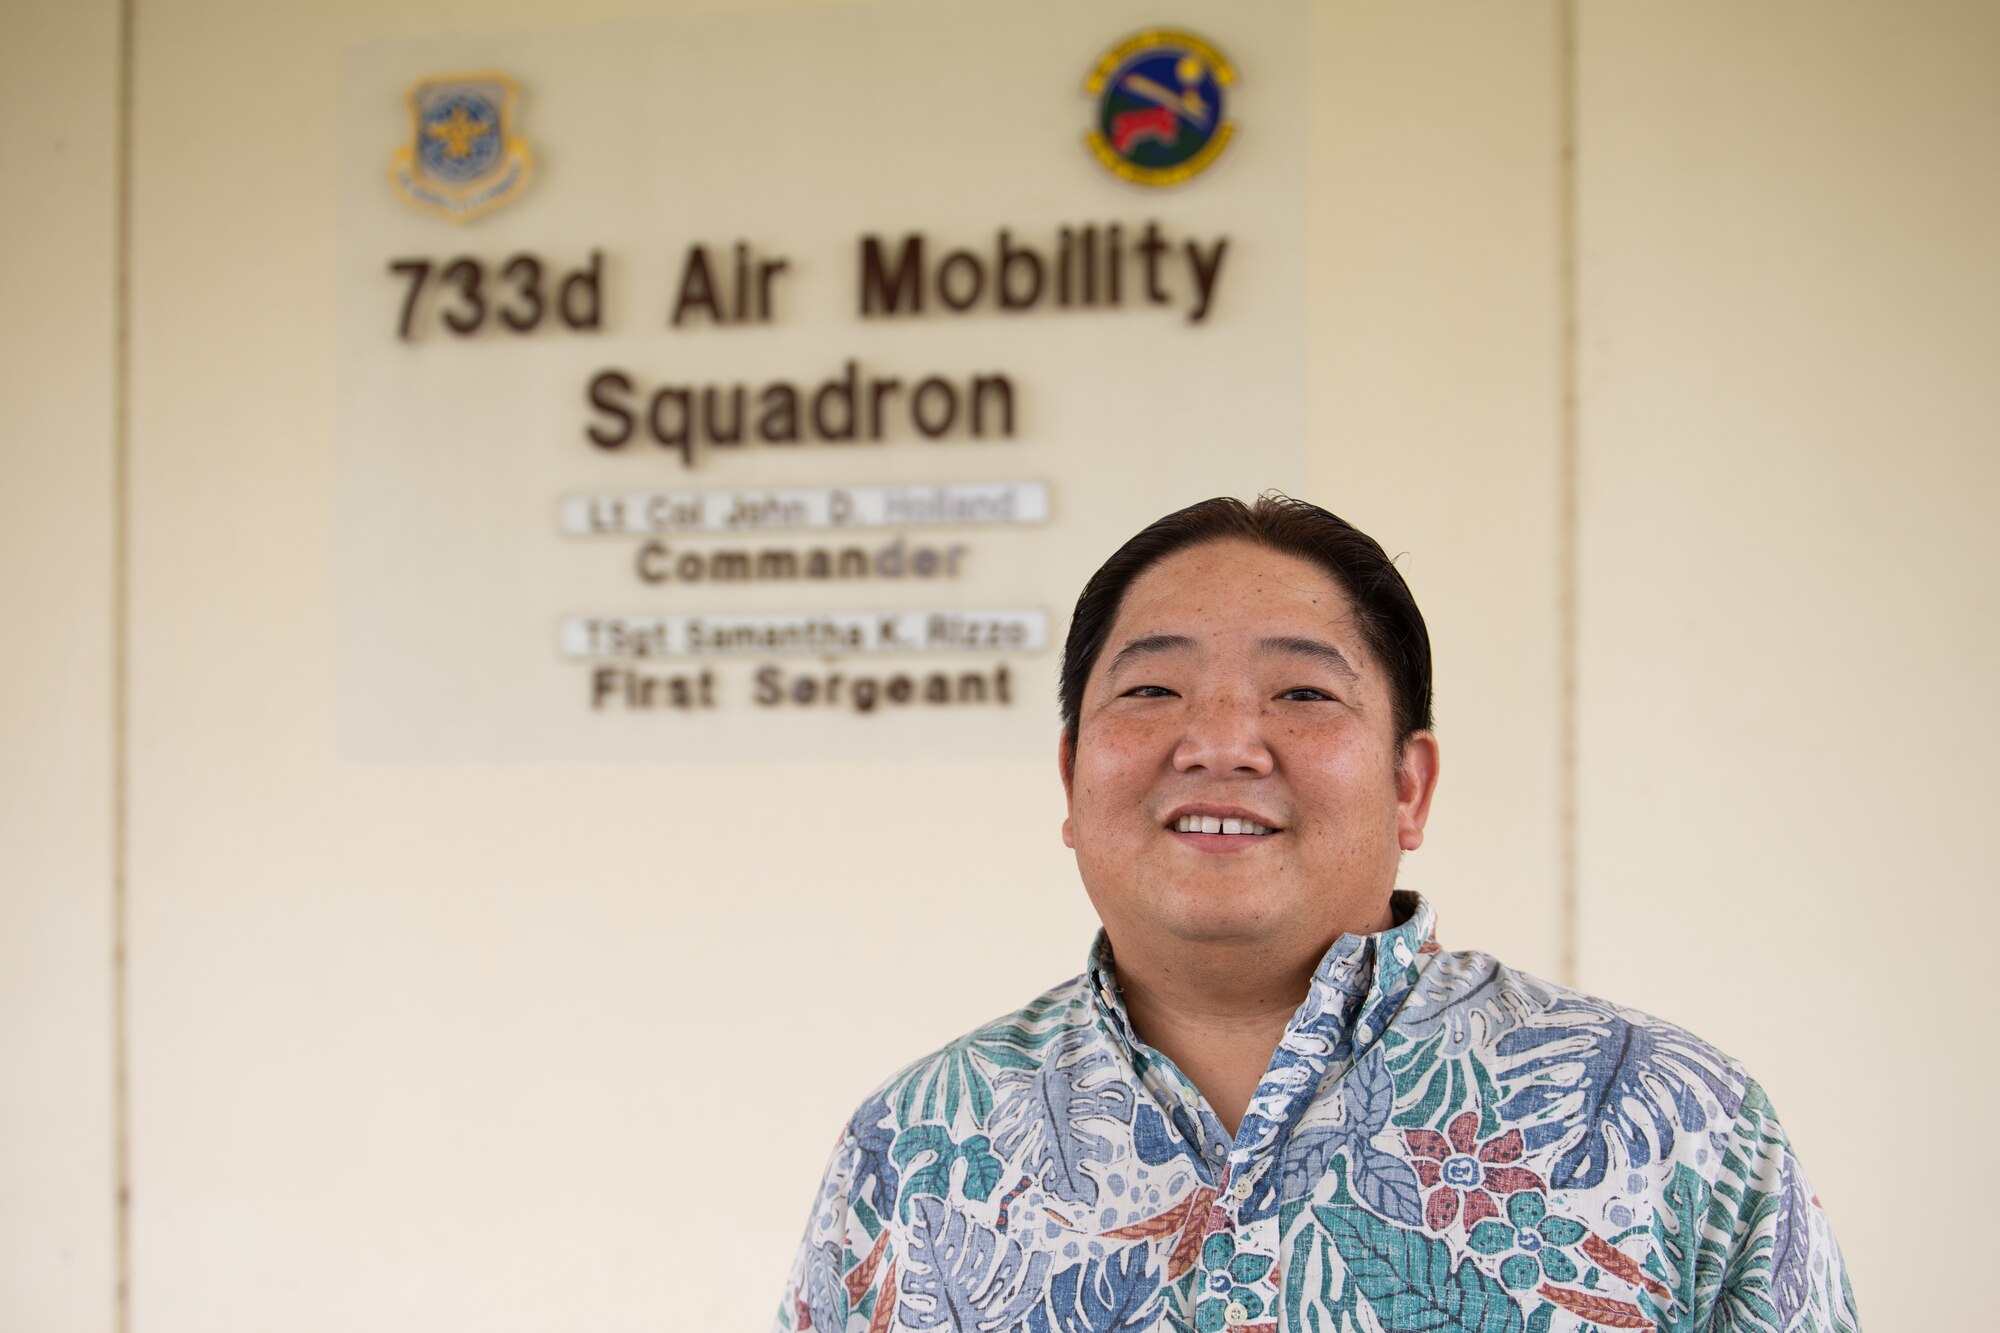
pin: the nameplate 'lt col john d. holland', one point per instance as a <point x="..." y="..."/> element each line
<point x="463" y="158"/>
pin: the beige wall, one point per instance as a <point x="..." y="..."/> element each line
<point x="58" y="218"/>
<point x="1789" y="566"/>
<point x="450" y="1045"/>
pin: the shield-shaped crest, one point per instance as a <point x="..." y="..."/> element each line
<point x="463" y="157"/>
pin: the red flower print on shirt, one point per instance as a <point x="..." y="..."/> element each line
<point x="1464" y="1174"/>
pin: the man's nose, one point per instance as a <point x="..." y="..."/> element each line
<point x="1225" y="734"/>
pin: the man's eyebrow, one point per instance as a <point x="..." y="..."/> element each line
<point x="1318" y="650"/>
<point x="1147" y="647"/>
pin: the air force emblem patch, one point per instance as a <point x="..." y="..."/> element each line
<point x="463" y="158"/>
<point x="1160" y="107"/>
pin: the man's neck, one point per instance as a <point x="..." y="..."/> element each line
<point x="1219" y="1024"/>
<point x="1218" y="1012"/>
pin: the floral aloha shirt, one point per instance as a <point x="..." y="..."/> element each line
<point x="1440" y="1143"/>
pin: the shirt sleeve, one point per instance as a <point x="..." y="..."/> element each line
<point x="1779" y="1268"/>
<point x="815" y="1295"/>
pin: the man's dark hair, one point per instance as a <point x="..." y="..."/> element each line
<point x="1386" y="614"/>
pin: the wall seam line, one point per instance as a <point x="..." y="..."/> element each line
<point x="121" y="431"/>
<point x="1568" y="450"/>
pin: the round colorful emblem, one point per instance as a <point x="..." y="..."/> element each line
<point x="1160" y="107"/>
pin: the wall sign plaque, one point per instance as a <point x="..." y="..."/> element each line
<point x="775" y="420"/>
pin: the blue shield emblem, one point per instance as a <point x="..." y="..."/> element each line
<point x="463" y="157"/>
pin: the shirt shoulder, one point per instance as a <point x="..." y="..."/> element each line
<point x="1473" y="1003"/>
<point x="958" y="1085"/>
<point x="1593" y="1138"/>
<point x="1610" y="1103"/>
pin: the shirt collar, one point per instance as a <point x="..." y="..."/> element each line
<point x="1378" y="970"/>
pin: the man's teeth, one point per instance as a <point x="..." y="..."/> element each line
<point x="1213" y="824"/>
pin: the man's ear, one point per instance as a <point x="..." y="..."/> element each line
<point x="1416" y="783"/>
<point x="1065" y="763"/>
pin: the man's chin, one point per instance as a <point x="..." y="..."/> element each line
<point x="1226" y="924"/>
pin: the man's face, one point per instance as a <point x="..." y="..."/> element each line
<point x="1235" y="686"/>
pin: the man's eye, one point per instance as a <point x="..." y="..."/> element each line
<point x="1305" y="694"/>
<point x="1149" y="692"/>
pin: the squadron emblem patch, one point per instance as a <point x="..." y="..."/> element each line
<point x="463" y="158"/>
<point x="1160" y="107"/>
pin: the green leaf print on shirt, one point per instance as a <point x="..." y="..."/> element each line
<point x="1407" y="1276"/>
<point x="933" y="1177"/>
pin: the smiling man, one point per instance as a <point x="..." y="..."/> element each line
<point x="1271" y="1102"/>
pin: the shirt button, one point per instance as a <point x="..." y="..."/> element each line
<point x="1241" y="1189"/>
<point x="1235" y="1313"/>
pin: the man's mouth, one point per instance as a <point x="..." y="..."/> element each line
<point x="1220" y="824"/>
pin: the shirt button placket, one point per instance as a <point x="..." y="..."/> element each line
<point x="1259" y="1237"/>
